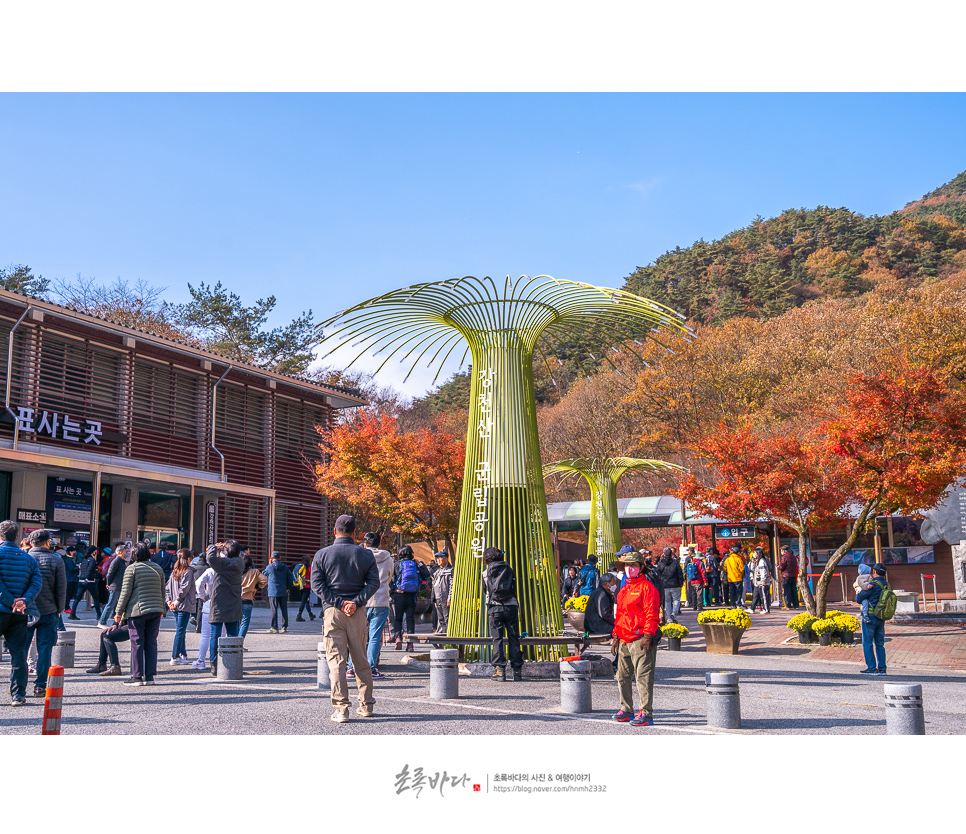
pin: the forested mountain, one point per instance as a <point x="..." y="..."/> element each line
<point x="772" y="265"/>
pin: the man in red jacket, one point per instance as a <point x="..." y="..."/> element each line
<point x="636" y="622"/>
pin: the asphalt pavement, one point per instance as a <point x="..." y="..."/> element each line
<point x="781" y="693"/>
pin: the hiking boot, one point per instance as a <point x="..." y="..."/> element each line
<point x="299" y="620"/>
<point x="499" y="673"/>
<point x="339" y="717"/>
<point x="518" y="674"/>
<point x="399" y="645"/>
<point x="641" y="720"/>
<point x="311" y="616"/>
<point x="112" y="672"/>
<point x="214" y="668"/>
<point x="40" y="692"/>
<point x="623" y="715"/>
<point x="409" y="647"/>
<point x="96" y="670"/>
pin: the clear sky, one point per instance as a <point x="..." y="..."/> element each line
<point x="325" y="200"/>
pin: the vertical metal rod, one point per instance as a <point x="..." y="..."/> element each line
<point x="95" y="510"/>
<point x="191" y="519"/>
<point x="16" y="418"/>
<point x="935" y="594"/>
<point x="214" y="412"/>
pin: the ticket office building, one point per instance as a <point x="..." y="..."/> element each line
<point x="110" y="434"/>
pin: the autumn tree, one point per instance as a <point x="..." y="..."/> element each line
<point x="411" y="480"/>
<point x="901" y="437"/>
<point x="791" y="479"/>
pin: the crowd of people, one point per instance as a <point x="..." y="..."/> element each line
<point x="706" y="578"/>
<point x="358" y="587"/>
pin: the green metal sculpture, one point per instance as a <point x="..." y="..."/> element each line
<point x="503" y="328"/>
<point x="604" y="534"/>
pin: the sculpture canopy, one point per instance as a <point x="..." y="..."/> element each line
<point x="602" y="474"/>
<point x="502" y="329"/>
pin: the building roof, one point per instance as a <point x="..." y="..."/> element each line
<point x="340" y="397"/>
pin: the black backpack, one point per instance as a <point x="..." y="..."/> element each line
<point x="501" y="583"/>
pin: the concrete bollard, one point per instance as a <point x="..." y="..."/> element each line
<point x="230" y="659"/>
<point x="444" y="673"/>
<point x="53" y="703"/>
<point x="62" y="653"/>
<point x="575" y="692"/>
<point x="322" y="676"/>
<point x="903" y="709"/>
<point x="724" y="705"/>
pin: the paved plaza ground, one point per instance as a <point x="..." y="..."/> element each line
<point x="786" y="688"/>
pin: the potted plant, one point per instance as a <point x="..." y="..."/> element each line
<point x="846" y="625"/>
<point x="722" y="628"/>
<point x="802" y="623"/>
<point x="674" y="633"/>
<point x="824" y="629"/>
<point x="574" y="608"/>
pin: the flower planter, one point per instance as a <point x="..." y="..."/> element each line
<point x="721" y="638"/>
<point x="576" y="620"/>
<point x="825" y="639"/>
<point x="846" y="637"/>
<point x="804" y="637"/>
<point x="674" y="644"/>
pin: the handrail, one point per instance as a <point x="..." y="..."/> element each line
<point x="6" y="402"/>
<point x="214" y="403"/>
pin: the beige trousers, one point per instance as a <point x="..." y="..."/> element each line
<point x="344" y="637"/>
<point x="633" y="663"/>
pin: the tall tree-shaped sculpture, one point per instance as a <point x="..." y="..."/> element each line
<point x="503" y="504"/>
<point x="604" y="533"/>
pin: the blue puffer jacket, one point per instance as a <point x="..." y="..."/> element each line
<point x="19" y="578"/>
<point x="589" y="579"/>
<point x="870" y="598"/>
<point x="279" y="579"/>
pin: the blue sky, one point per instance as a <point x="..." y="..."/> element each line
<point x="327" y="199"/>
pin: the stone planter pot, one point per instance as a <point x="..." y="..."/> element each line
<point x="674" y="644"/>
<point x="846" y="637"/>
<point x="825" y="639"/>
<point x="576" y="620"/>
<point x="804" y="637"/>
<point x="721" y="638"/>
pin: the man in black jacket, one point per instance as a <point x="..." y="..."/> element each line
<point x="502" y="607"/>
<point x="50" y="602"/>
<point x="672" y="578"/>
<point x="344" y="576"/>
<point x="114" y="579"/>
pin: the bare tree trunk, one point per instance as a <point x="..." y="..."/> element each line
<point x="450" y="546"/>
<point x="826" y="577"/>
<point x="803" y="588"/>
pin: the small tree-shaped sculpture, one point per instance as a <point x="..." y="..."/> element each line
<point x="503" y="504"/>
<point x="602" y="474"/>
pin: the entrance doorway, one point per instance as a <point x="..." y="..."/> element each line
<point x="169" y="539"/>
<point x="160" y="519"/>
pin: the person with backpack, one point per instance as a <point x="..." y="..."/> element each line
<point x="788" y="565"/>
<point x="87" y="583"/>
<point x="73" y="572"/>
<point x="303" y="575"/>
<point x="404" y="586"/>
<point x="589" y="577"/>
<point x="697" y="580"/>
<point x="279" y="581"/>
<point x="672" y="578"/>
<point x="502" y="607"/>
<point x="712" y="570"/>
<point x="881" y="606"/>
<point x="114" y="577"/>
<point x="761" y="577"/>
